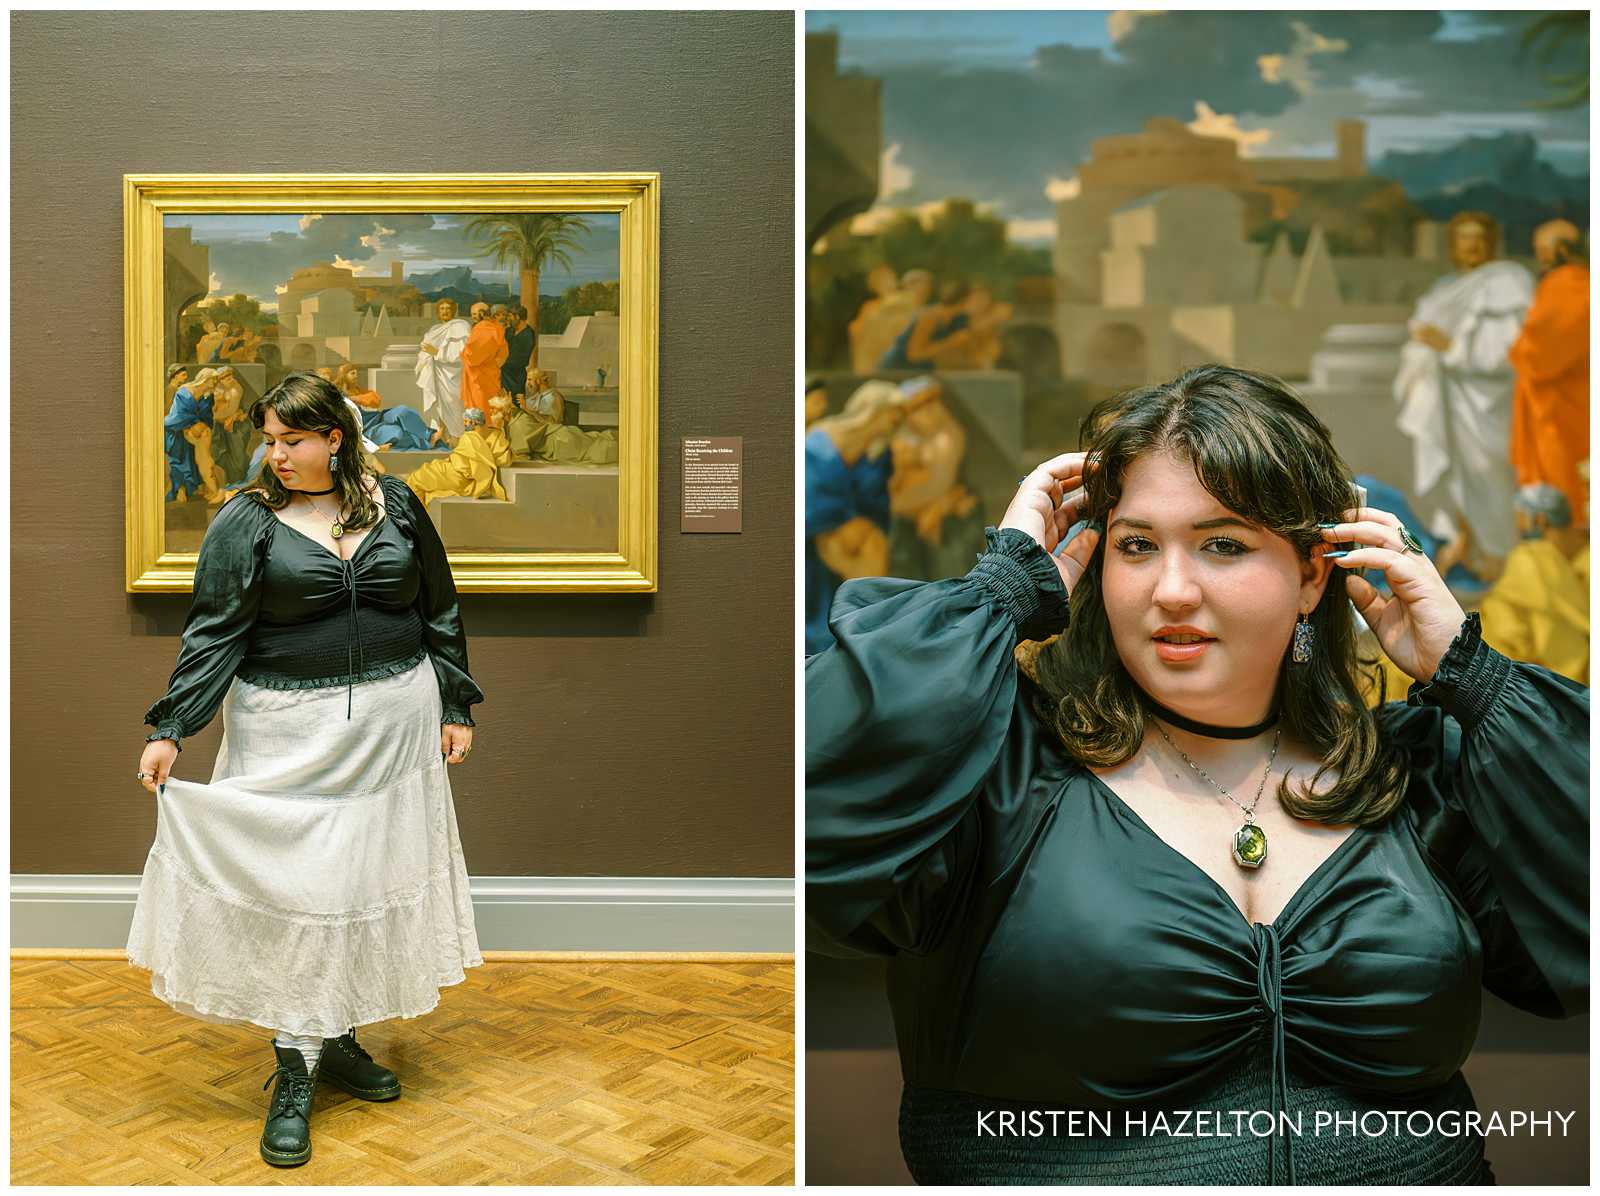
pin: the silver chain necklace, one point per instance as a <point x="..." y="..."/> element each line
<point x="335" y="526"/>
<point x="1249" y="841"/>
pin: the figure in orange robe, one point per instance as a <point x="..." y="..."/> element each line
<point x="1550" y="412"/>
<point x="481" y="358"/>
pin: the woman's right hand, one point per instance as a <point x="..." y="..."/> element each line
<point x="156" y="763"/>
<point x="1048" y="502"/>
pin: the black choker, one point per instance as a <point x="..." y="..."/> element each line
<point x="1207" y="729"/>
<point x="329" y="490"/>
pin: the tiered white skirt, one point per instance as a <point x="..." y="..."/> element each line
<point x="316" y="884"/>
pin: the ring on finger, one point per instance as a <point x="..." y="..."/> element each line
<point x="1408" y="542"/>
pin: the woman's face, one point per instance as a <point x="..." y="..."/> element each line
<point x="299" y="458"/>
<point x="1177" y="562"/>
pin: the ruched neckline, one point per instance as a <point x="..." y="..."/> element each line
<point x="1308" y="886"/>
<point x="278" y="609"/>
<point x="1269" y="988"/>
<point x="356" y="661"/>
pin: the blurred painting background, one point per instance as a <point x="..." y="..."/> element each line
<point x="1013" y="215"/>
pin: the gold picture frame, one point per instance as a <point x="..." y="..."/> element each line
<point x="635" y="198"/>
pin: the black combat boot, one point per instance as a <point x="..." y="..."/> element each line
<point x="346" y="1064"/>
<point x="286" y="1138"/>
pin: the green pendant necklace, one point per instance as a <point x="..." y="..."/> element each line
<point x="1249" y="841"/>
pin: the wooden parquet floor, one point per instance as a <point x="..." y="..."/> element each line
<point x="547" y="1072"/>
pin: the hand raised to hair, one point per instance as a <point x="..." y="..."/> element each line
<point x="1048" y="502"/>
<point x="1416" y="623"/>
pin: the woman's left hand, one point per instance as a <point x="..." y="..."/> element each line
<point x="1419" y="619"/>
<point x="455" y="741"/>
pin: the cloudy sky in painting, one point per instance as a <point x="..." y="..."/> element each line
<point x="1000" y="107"/>
<point x="256" y="254"/>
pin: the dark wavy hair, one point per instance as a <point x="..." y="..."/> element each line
<point x="308" y="403"/>
<point x="1261" y="453"/>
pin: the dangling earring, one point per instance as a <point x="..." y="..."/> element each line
<point x="1304" y="635"/>
<point x="333" y="462"/>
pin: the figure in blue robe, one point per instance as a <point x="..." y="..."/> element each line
<point x="401" y="428"/>
<point x="897" y="356"/>
<point x="835" y="494"/>
<point x="186" y="411"/>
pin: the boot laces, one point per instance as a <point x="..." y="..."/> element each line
<point x="296" y="1089"/>
<point x="350" y="1038"/>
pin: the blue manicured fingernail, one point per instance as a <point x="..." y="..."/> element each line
<point x="1326" y="526"/>
<point x="1333" y="556"/>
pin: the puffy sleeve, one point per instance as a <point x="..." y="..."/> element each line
<point x="912" y="725"/>
<point x="1499" y="794"/>
<point x="227" y="595"/>
<point x="442" y="633"/>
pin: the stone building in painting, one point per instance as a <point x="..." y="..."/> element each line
<point x="843" y="138"/>
<point x="587" y="345"/>
<point x="1154" y="270"/>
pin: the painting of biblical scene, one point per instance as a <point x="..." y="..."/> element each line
<point x="1011" y="216"/>
<point x="480" y="351"/>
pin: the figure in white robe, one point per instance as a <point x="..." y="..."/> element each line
<point x="439" y="369"/>
<point x="1455" y="388"/>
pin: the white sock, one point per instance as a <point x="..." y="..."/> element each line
<point x="309" y="1046"/>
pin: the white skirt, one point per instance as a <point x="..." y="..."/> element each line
<point x="316" y="884"/>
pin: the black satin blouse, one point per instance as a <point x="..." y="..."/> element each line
<point x="1048" y="946"/>
<point x="276" y="608"/>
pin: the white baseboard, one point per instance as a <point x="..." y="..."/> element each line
<point x="514" y="913"/>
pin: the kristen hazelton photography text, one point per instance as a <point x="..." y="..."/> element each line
<point x="1260" y="1123"/>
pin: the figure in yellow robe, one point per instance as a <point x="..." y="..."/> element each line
<point x="538" y="430"/>
<point x="1538" y="609"/>
<point x="1550" y="410"/>
<point x="472" y="470"/>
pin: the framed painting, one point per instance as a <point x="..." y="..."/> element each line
<point x="497" y="332"/>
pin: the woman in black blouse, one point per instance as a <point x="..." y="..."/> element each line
<point x="316" y="883"/>
<point x="1177" y="864"/>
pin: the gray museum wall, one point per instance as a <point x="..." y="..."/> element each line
<point x="642" y="735"/>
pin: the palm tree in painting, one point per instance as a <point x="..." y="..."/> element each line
<point x="1553" y="37"/>
<point x="531" y="241"/>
